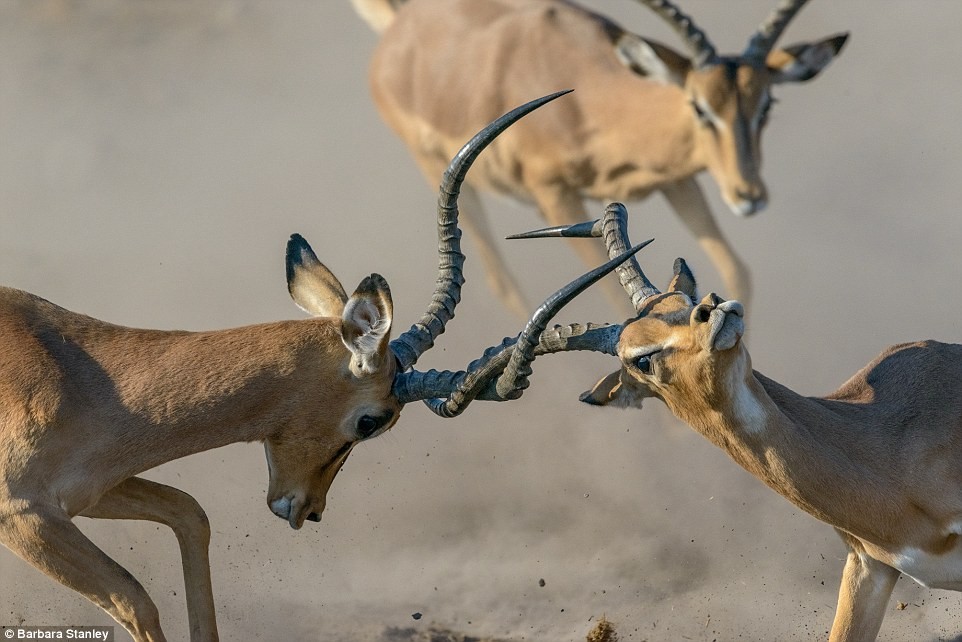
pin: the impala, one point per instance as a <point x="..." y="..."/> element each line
<point x="644" y="118"/>
<point x="85" y="406"/>
<point x="878" y="459"/>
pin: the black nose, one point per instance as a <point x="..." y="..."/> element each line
<point x="314" y="517"/>
<point x="755" y="199"/>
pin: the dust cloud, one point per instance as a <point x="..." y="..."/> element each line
<point x="154" y="158"/>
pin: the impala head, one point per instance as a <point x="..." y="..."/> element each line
<point x="365" y="378"/>
<point x="685" y="351"/>
<point x="680" y="350"/>
<point x="729" y="97"/>
<point x="355" y="392"/>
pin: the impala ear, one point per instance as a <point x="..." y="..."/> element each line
<point x="366" y="325"/>
<point x="684" y="280"/>
<point x="312" y="286"/>
<point x="612" y="391"/>
<point x="652" y="60"/>
<point x="804" y="61"/>
<point x="603" y="392"/>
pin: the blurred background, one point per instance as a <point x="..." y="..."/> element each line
<point x="155" y="155"/>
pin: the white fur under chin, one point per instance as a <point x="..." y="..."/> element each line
<point x="745" y="207"/>
<point x="748" y="411"/>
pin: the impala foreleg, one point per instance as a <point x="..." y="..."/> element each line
<point x="45" y="537"/>
<point x="862" y="599"/>
<point x="689" y="203"/>
<point x="137" y="498"/>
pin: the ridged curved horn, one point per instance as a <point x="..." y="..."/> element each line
<point x="449" y="393"/>
<point x="703" y="52"/>
<point x="410" y="345"/>
<point x="434" y="384"/>
<point x="590" y="337"/>
<point x="613" y="227"/>
<point x="771" y="29"/>
<point x="514" y="379"/>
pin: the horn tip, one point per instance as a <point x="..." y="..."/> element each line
<point x="577" y="230"/>
<point x="839" y="40"/>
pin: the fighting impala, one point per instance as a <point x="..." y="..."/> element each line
<point x="644" y="117"/>
<point x="878" y="459"/>
<point x="86" y="406"/>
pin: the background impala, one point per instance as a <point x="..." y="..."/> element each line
<point x="186" y="118"/>
<point x="648" y="116"/>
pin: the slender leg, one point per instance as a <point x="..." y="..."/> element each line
<point x="499" y="277"/>
<point x="862" y="599"/>
<point x="474" y="220"/>
<point x="561" y="205"/>
<point x="44" y="536"/>
<point x="137" y="498"/>
<point x="689" y="203"/>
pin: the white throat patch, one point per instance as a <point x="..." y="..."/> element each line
<point x="747" y="409"/>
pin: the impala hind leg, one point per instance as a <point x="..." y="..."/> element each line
<point x="564" y="206"/>
<point x="862" y="599"/>
<point x="137" y="498"/>
<point x="689" y="203"/>
<point x="45" y="537"/>
<point x="474" y="221"/>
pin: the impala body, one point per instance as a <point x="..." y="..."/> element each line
<point x="82" y="397"/>
<point x="644" y="118"/>
<point x="878" y="459"/>
<point x="86" y="405"/>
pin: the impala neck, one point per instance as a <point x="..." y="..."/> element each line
<point x="803" y="448"/>
<point x="184" y="393"/>
<point x="632" y="162"/>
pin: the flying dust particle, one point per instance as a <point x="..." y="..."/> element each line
<point x="603" y="631"/>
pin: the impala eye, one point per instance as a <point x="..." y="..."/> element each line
<point x="703" y="116"/>
<point x="368" y="425"/>
<point x="643" y="363"/>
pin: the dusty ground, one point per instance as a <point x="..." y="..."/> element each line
<point x="154" y="158"/>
